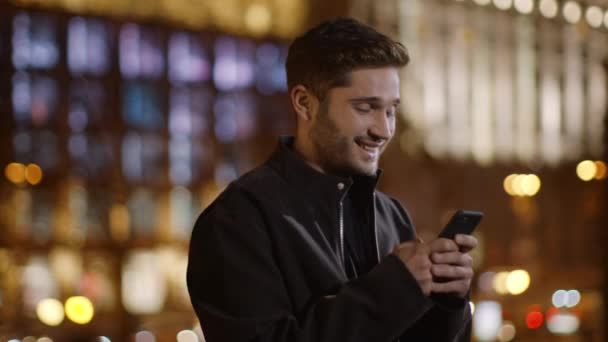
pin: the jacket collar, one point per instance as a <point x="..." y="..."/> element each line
<point x="300" y="174"/>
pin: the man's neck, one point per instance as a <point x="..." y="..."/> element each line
<point x="306" y="152"/>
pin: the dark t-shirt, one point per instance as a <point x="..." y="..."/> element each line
<point x="358" y="237"/>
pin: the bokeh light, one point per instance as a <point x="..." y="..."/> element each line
<point x="258" y="18"/>
<point x="503" y="4"/>
<point x="534" y="319"/>
<point x="482" y="2"/>
<point x="145" y="336"/>
<point x="594" y="16"/>
<point x="500" y="283"/>
<point x="548" y="8"/>
<point x="79" y="309"/>
<point x="44" y="339"/>
<point x="33" y="174"/>
<point x="487" y="320"/>
<point x="559" y="298"/>
<point x="572" y="12"/>
<point x="524" y="6"/>
<point x="601" y="170"/>
<point x="187" y="336"/>
<point x="506" y="332"/>
<point x="573" y="297"/>
<point x="563" y="323"/>
<point x="522" y="185"/>
<point x="586" y="170"/>
<point x="50" y="312"/>
<point x="517" y="282"/>
<point x="15" y="173"/>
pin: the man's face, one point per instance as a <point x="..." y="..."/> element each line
<point x="355" y="123"/>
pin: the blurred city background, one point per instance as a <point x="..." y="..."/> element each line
<point x="121" y="120"/>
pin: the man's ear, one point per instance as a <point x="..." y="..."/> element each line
<point x="304" y="102"/>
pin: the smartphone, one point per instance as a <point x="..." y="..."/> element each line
<point x="463" y="222"/>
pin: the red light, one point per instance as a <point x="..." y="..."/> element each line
<point x="534" y="319"/>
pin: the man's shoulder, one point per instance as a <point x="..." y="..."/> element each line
<point x="261" y="178"/>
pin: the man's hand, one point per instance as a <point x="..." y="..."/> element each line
<point x="452" y="264"/>
<point x="441" y="258"/>
<point x="416" y="257"/>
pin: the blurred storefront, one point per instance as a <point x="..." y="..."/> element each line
<point x="506" y="112"/>
<point x="121" y="121"/>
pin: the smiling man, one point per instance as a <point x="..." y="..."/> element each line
<point x="304" y="248"/>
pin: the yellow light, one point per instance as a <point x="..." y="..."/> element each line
<point x="79" y="309"/>
<point x="503" y="4"/>
<point x="517" y="282"/>
<point x="50" y="312"/>
<point x="524" y="6"/>
<point x="508" y="184"/>
<point x="33" y="174"/>
<point x="530" y="185"/>
<point x="594" y="16"/>
<point x="572" y="12"/>
<point x="600" y="170"/>
<point x="472" y="306"/>
<point x="518" y="186"/>
<point x="15" y="172"/>
<point x="500" y="283"/>
<point x="482" y="2"/>
<point x="606" y="19"/>
<point x="119" y="222"/>
<point x="258" y="19"/>
<point x="548" y="8"/>
<point x="586" y="170"/>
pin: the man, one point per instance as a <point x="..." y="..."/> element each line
<point x="303" y="248"/>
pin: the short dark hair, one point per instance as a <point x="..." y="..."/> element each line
<point x="324" y="56"/>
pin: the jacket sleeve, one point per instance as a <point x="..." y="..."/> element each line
<point x="442" y="323"/>
<point x="238" y="293"/>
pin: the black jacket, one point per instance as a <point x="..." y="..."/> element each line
<point x="266" y="264"/>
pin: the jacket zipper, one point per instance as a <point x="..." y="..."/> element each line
<point x="342" y="235"/>
<point x="375" y="228"/>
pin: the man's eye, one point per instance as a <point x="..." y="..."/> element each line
<point x="365" y="108"/>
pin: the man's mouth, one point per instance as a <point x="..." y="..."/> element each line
<point x="372" y="148"/>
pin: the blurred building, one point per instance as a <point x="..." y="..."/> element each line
<point x="121" y="121"/>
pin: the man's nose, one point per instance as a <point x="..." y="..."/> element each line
<point x="383" y="125"/>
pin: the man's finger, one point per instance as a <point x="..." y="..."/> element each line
<point x="443" y="245"/>
<point x="465" y="242"/>
<point x="452" y="258"/>
<point x="451" y="272"/>
<point x="457" y="286"/>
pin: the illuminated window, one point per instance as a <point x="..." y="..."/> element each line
<point x="234" y="64"/>
<point x="187" y="59"/>
<point x="235" y="117"/>
<point x="140" y="52"/>
<point x="141" y="106"/>
<point x="91" y="156"/>
<point x="270" y="68"/>
<point x="34" y="99"/>
<point x="38" y="147"/>
<point x="34" y="42"/>
<point x="142" y="206"/>
<point x="88" y="46"/>
<point x="142" y="157"/>
<point x="87" y="104"/>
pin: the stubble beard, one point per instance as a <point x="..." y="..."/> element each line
<point x="334" y="150"/>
